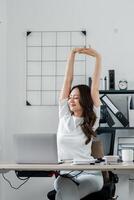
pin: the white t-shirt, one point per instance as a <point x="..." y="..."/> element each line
<point x="70" y="137"/>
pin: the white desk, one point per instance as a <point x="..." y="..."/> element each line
<point x="128" y="166"/>
<point x="119" y="168"/>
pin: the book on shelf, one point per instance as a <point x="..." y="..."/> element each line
<point x="105" y="117"/>
<point x="130" y="111"/>
<point x="113" y="108"/>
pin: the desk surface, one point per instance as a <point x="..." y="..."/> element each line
<point x="66" y="166"/>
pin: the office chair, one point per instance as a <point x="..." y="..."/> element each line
<point x="109" y="187"/>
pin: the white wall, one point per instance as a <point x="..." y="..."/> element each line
<point x="110" y="30"/>
<point x="2" y="80"/>
<point x="2" y="70"/>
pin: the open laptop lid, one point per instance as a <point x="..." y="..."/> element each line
<point x="35" y="148"/>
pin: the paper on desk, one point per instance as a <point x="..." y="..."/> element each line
<point x="111" y="158"/>
<point x="83" y="162"/>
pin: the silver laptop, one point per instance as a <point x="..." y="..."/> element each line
<point x="35" y="148"/>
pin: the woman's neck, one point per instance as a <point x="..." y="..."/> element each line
<point x="77" y="113"/>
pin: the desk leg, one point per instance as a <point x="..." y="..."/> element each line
<point x="131" y="187"/>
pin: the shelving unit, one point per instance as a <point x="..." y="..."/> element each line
<point x="116" y="91"/>
<point x="112" y="130"/>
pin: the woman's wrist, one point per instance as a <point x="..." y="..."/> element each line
<point x="98" y="56"/>
<point x="73" y="51"/>
<point x="71" y="54"/>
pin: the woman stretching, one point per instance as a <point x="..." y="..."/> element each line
<point x="79" y="114"/>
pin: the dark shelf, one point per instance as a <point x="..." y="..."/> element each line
<point x="109" y="129"/>
<point x="116" y="91"/>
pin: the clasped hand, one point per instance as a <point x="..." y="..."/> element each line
<point x="87" y="51"/>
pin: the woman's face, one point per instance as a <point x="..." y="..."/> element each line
<point x="73" y="101"/>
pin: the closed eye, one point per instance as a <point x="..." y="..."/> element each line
<point x="73" y="97"/>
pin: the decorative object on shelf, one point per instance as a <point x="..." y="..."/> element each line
<point x="123" y="84"/>
<point x="102" y="84"/>
<point x="89" y="81"/>
<point x="111" y="79"/>
<point x="105" y="82"/>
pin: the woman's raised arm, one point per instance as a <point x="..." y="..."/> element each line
<point x="68" y="78"/>
<point x="96" y="74"/>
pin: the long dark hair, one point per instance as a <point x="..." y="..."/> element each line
<point x="88" y="114"/>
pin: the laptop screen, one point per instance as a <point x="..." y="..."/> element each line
<point x="35" y="148"/>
